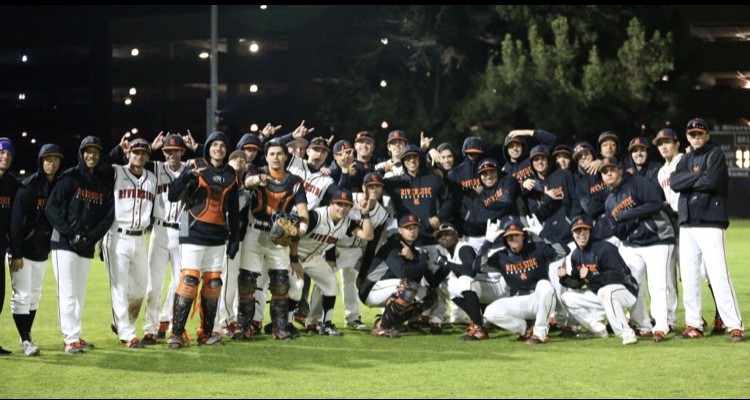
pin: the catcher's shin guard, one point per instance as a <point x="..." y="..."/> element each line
<point x="210" y="293"/>
<point x="184" y="295"/>
<point x="247" y="282"/>
<point x="400" y="306"/>
<point x="279" y="286"/>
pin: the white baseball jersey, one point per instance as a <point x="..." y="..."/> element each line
<point x="315" y="183"/>
<point x="134" y="198"/>
<point x="378" y="216"/>
<point x="164" y="209"/>
<point x="324" y="234"/>
<point x="663" y="176"/>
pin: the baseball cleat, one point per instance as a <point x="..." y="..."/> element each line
<point x="162" y="332"/>
<point x="149" y="339"/>
<point x="229" y="330"/>
<point x="133" y="343"/>
<point x="311" y="329"/>
<point x="74" y="348"/>
<point x="690" y="333"/>
<point x="736" y="336"/>
<point x="4" y="352"/>
<point x="593" y="335"/>
<point x="329" y="329"/>
<point x="214" y="339"/>
<point x="85" y="345"/>
<point x="719" y="327"/>
<point x="534" y="340"/>
<point x="475" y="332"/>
<point x="659" y="336"/>
<point x="29" y="349"/>
<point x="629" y="339"/>
<point x="357" y="325"/>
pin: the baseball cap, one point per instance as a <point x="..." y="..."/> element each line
<point x="580" y="147"/>
<point x="512" y="226"/>
<point x="140" y="144"/>
<point x="539" y="150"/>
<point x="51" y="149"/>
<point x="238" y="154"/>
<point x="581" y="221"/>
<point x="487" y="164"/>
<point x="665" y="133"/>
<point x="638" y="142"/>
<point x="173" y="142"/>
<point x="562" y="149"/>
<point x="609" y="162"/>
<point x="91" y="141"/>
<point x="248" y="140"/>
<point x="372" y="178"/>
<point x="473" y="145"/>
<point x="445" y="146"/>
<point x="319" y="143"/>
<point x="411" y="149"/>
<point x="396" y="135"/>
<point x="697" y="124"/>
<point x="299" y="142"/>
<point x="342" y="196"/>
<point x="7" y="144"/>
<point x="407" y="220"/>
<point x="608" y="135"/>
<point x="342" y="145"/>
<point x="443" y="228"/>
<point x="510" y="139"/>
<point x="364" y="136"/>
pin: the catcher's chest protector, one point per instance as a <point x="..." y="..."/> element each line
<point x="207" y="201"/>
<point x="276" y="196"/>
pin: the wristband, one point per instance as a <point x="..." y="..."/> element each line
<point x="302" y="228"/>
<point x="294" y="258"/>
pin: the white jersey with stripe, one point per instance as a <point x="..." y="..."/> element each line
<point x="164" y="209"/>
<point x="663" y="176"/>
<point x="134" y="198"/>
<point x="315" y="183"/>
<point x="378" y="216"/>
<point x="324" y="235"/>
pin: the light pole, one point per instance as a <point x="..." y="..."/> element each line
<point x="211" y="107"/>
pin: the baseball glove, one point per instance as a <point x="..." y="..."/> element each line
<point x="283" y="231"/>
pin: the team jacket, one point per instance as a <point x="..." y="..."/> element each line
<point x="592" y="194"/>
<point x="635" y="212"/>
<point x="390" y="264"/>
<point x="461" y="182"/>
<point x="8" y="188"/>
<point x="492" y="203"/>
<point x="650" y="171"/>
<point x="423" y="196"/>
<point x="521" y="169"/>
<point x="81" y="203"/>
<point x="605" y="267"/>
<point x="523" y="270"/>
<point x="553" y="214"/>
<point x="701" y="178"/>
<point x="29" y="229"/>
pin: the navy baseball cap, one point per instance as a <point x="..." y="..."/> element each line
<point x="397" y="135"/>
<point x="373" y="178"/>
<point x="407" y="220"/>
<point x="580" y="147"/>
<point x="609" y="162"/>
<point x="562" y="149"/>
<point x="539" y="150"/>
<point x="608" y="135"/>
<point x="238" y="154"/>
<point x="697" y="124"/>
<point x="512" y="226"/>
<point x="411" y="149"/>
<point x="473" y="145"/>
<point x="173" y="142"/>
<point x="487" y="164"/>
<point x="444" y="227"/>
<point x="581" y="221"/>
<point x="7" y="144"/>
<point x="638" y="142"/>
<point x="364" y="136"/>
<point x="510" y="139"/>
<point x="320" y="143"/>
<point x="342" y="145"/>
<point x="342" y="196"/>
<point x="665" y="133"/>
<point x="140" y="144"/>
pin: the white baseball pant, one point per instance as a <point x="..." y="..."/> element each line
<point x="72" y="274"/>
<point x="587" y="306"/>
<point x="511" y="313"/>
<point x="26" y="284"/>
<point x="163" y="248"/>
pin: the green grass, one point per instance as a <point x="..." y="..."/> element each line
<point x="359" y="365"/>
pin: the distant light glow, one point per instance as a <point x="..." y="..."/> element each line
<point x="253" y="88"/>
<point x="203" y="55"/>
<point x="384" y="41"/>
<point x="383" y="83"/>
<point x="384" y="124"/>
<point x="132" y="91"/>
<point x="263" y="7"/>
<point x="135" y="52"/>
<point x="665" y="78"/>
<point x="254" y="48"/>
<point x="24" y="58"/>
<point x="24" y="134"/>
<point x="22" y="96"/>
<point x="134" y="131"/>
<point x="254" y="128"/>
<point x="128" y="101"/>
<point x="33" y="141"/>
<point x="22" y="172"/>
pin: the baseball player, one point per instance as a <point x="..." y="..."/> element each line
<point x="525" y="266"/>
<point x="124" y="246"/>
<point x="350" y="250"/>
<point x="80" y="208"/>
<point x="275" y="192"/>
<point x="634" y="210"/>
<point x="597" y="265"/>
<point x="463" y="179"/>
<point x="164" y="244"/>
<point x="563" y="155"/>
<point x="8" y="188"/>
<point x="327" y="226"/>
<point x="209" y="227"/>
<point x="701" y="178"/>
<point x="395" y="143"/>
<point x="392" y="280"/>
<point x="29" y="243"/>
<point x="516" y="150"/>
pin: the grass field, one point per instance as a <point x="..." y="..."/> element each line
<point x="359" y="365"/>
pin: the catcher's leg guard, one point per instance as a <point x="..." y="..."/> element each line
<point x="279" y="286"/>
<point x="184" y="295"/>
<point x="210" y="293"/>
<point x="247" y="282"/>
<point x="400" y="305"/>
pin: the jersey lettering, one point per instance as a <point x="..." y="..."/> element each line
<point x="623" y="205"/>
<point x="493" y="197"/>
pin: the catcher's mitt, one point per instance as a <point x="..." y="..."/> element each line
<point x="283" y="231"/>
